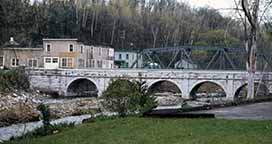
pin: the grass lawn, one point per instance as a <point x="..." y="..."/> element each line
<point x="161" y="131"/>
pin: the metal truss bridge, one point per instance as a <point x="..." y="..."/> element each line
<point x="201" y="58"/>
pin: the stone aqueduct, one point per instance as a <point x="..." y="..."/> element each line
<point x="60" y="80"/>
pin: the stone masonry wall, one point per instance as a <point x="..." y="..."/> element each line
<point x="59" y="80"/>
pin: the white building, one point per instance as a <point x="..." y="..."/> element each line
<point x="71" y="54"/>
<point x="183" y="64"/>
<point x="99" y="57"/>
<point x="127" y="59"/>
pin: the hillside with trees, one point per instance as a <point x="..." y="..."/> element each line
<point x="120" y="23"/>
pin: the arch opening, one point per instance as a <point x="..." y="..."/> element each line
<point x="209" y="92"/>
<point x="260" y="91"/>
<point x="83" y="88"/>
<point x="166" y="93"/>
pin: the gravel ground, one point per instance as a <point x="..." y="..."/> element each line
<point x="257" y="111"/>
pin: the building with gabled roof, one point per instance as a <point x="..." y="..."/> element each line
<point x="57" y="53"/>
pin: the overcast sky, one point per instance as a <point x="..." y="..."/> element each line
<point x="222" y="5"/>
<point x="217" y="4"/>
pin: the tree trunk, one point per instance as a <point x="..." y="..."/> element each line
<point x="167" y="38"/>
<point x="251" y="14"/>
<point x="84" y="17"/>
<point x="155" y="31"/>
<point x="113" y="31"/>
<point x="93" y="21"/>
<point x="250" y="88"/>
<point x="251" y="66"/>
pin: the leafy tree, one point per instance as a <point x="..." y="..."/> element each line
<point x="146" y="101"/>
<point x="117" y="23"/>
<point x="153" y="23"/>
<point x="217" y="38"/>
<point x="125" y="97"/>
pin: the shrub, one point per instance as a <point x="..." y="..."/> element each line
<point x="47" y="128"/>
<point x="146" y="100"/>
<point x="45" y="112"/>
<point x="13" y="79"/>
<point x="125" y="97"/>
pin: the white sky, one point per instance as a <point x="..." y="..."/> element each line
<point x="217" y="4"/>
<point x="224" y="6"/>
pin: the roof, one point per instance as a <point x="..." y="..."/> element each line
<point x="125" y="51"/>
<point x="20" y="48"/>
<point x="184" y="61"/>
<point x="11" y="44"/>
<point x="60" y="39"/>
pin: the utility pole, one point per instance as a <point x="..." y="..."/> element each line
<point x="123" y="37"/>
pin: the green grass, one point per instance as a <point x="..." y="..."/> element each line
<point x="161" y="131"/>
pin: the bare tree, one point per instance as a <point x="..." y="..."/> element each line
<point x="252" y="14"/>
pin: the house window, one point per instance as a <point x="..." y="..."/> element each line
<point x="98" y="63"/>
<point x="14" y="62"/>
<point x="48" y="47"/>
<point x="91" y="55"/>
<point x="71" y="48"/>
<point x="127" y="56"/>
<point x="33" y="63"/>
<point x="81" y="49"/>
<point x="101" y="63"/>
<point x="100" y="51"/>
<point x="67" y="62"/>
<point x="70" y="62"/>
<point x="81" y="63"/>
<point x="93" y="63"/>
<point x="51" y="62"/>
<point x="48" y="60"/>
<point x="55" y="60"/>
<point x="1" y="61"/>
<point x="64" y="62"/>
<point x="120" y="56"/>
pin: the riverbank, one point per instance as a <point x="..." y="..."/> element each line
<point x="18" y="130"/>
<point x="21" y="107"/>
<point x="160" y="131"/>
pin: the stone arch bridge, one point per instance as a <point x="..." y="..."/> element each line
<point x="68" y="82"/>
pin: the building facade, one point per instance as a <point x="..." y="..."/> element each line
<point x="183" y="64"/>
<point x="69" y="53"/>
<point x="99" y="57"/>
<point x="61" y="53"/>
<point x="58" y="53"/>
<point x="127" y="59"/>
<point x="14" y="57"/>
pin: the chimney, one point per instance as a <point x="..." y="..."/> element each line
<point x="11" y="40"/>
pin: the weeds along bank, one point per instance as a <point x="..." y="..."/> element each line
<point x="13" y="79"/>
<point x="18" y="102"/>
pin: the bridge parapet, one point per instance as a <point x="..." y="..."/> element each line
<point x="59" y="80"/>
<point x="144" y="73"/>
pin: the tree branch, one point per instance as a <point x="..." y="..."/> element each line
<point x="247" y="12"/>
<point x="265" y="9"/>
